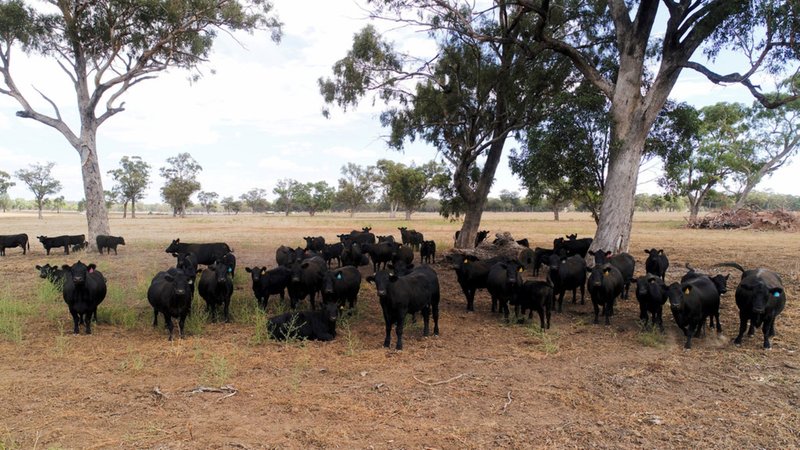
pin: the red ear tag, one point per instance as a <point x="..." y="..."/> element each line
<point x="91" y="270"/>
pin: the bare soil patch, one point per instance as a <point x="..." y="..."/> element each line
<point x="481" y="384"/>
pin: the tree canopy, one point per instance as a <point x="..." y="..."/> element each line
<point x="40" y="181"/>
<point x="132" y="178"/>
<point x="181" y="182"/>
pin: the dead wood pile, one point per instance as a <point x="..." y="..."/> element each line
<point x="503" y="245"/>
<point x="743" y="219"/>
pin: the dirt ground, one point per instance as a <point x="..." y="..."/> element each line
<point x="480" y="384"/>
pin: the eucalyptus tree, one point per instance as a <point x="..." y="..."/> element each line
<point x="357" y="187"/>
<point x="208" y="200"/>
<point x="635" y="61"/>
<point x="181" y="182"/>
<point x="40" y="181"/>
<point x="105" y="47"/>
<point x="465" y="101"/>
<point x="407" y="186"/>
<point x="287" y="192"/>
<point x="132" y="178"/>
<point x="315" y="196"/>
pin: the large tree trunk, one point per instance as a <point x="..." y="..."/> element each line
<point x="694" y="209"/>
<point x="408" y="214"/>
<point x="39" y="204"/>
<point x="469" y="229"/>
<point x="125" y="209"/>
<point x="96" y="212"/>
<point x="555" y="213"/>
<point x="743" y="196"/>
<point x="133" y="208"/>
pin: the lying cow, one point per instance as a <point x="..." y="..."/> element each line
<point x="317" y="325"/>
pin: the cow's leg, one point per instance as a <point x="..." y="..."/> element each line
<point x="435" y="313"/>
<point x="227" y="305"/>
<point x="561" y="300"/>
<point x="155" y="317"/>
<point x="608" y="310"/>
<point x="168" y="321"/>
<point x="388" y="321"/>
<point x="87" y="317"/>
<point x="690" y="331"/>
<point x="743" y="317"/>
<point x="596" y="311"/>
<point x="76" y="320"/>
<point x="470" y="294"/>
<point x="494" y="303"/>
<point x="181" y="324"/>
<point x="767" y="328"/>
<point x="583" y="291"/>
<point x="398" y="330"/>
<point x="426" y="314"/>
<point x="719" y="326"/>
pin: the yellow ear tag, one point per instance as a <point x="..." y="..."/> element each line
<point x="686" y="291"/>
<point x="466" y="261"/>
<point x="263" y="271"/>
<point x="606" y="272"/>
<point x="520" y="270"/>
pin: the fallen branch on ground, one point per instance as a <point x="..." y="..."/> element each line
<point x="438" y="382"/>
<point x="508" y="403"/>
<point x="229" y="390"/>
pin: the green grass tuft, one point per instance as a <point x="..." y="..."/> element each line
<point x="651" y="337"/>
<point x="217" y="371"/>
<point x="13" y="315"/>
<point x="547" y="341"/>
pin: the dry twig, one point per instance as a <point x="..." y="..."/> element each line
<point x="157" y="392"/>
<point x="508" y="403"/>
<point x="438" y="382"/>
<point x="229" y="390"/>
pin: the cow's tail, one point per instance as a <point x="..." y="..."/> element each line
<point x="689" y="268"/>
<point x="730" y="264"/>
<point x="28" y="242"/>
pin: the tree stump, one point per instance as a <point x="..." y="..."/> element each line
<point x="503" y="245"/>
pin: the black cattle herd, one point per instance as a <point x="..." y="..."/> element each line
<point x="405" y="288"/>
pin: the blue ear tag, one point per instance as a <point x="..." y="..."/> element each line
<point x="776" y="294"/>
<point x="339" y="276"/>
<point x="230" y="270"/>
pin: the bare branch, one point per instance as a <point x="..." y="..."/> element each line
<point x="52" y="103"/>
<point x="744" y="80"/>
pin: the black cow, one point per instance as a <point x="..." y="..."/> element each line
<point x="284" y="256"/>
<point x="690" y="303"/>
<point x="657" y="263"/>
<point x="651" y="292"/>
<point x="312" y="325"/>
<point x="360" y="237"/>
<point x="353" y="255"/>
<point x="411" y="238"/>
<point x="524" y="242"/>
<point x="109" y="243"/>
<point x="206" y="253"/>
<point x="269" y="282"/>
<point x="170" y="294"/>
<point x="479" y="237"/>
<point x="502" y="283"/>
<point x="216" y="288"/>
<point x="572" y="246"/>
<point x="315" y="243"/>
<point x="605" y="285"/>
<point x="306" y="280"/>
<point x="625" y="262"/>
<point x="472" y="274"/>
<point x="229" y="261"/>
<point x="333" y="251"/>
<point x="84" y="289"/>
<point x="403" y="255"/>
<point x="719" y="280"/>
<point x="80" y="247"/>
<point x="380" y="253"/>
<point x="427" y="252"/>
<point x="406" y="294"/>
<point x="540" y="256"/>
<point x="54" y="274"/>
<point x="14" y="240"/>
<point x="342" y="285"/>
<point x="534" y="296"/>
<point x="760" y="297"/>
<point x="387" y="238"/>
<point x="567" y="273"/>
<point x="187" y="262"/>
<point x="65" y="241"/>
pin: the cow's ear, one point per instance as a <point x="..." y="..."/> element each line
<point x="65" y="267"/>
<point x="169" y="278"/>
<point x="248" y="270"/>
<point x="647" y="251"/>
<point x="304" y="265"/>
<point x="393" y="277"/>
<point x="38" y="267"/>
<point x="199" y="270"/>
<point x="263" y="270"/>
<point x="661" y="251"/>
<point x="370" y="279"/>
<point x="92" y="267"/>
<point x="608" y="253"/>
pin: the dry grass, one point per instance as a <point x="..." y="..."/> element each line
<point x="576" y="385"/>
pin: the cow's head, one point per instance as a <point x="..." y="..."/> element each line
<point x="651" y="286"/>
<point x="79" y="272"/>
<point x="173" y="247"/>
<point x="181" y="282"/>
<point x="45" y="270"/>
<point x="221" y="271"/>
<point x="382" y="279"/>
<point x="676" y="293"/>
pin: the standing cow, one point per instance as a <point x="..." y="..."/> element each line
<point x="216" y="287"/>
<point x="14" y="240"/>
<point x="170" y="294"/>
<point x="109" y="243"/>
<point x="84" y="289"/>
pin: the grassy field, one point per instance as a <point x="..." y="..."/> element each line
<point x="480" y="384"/>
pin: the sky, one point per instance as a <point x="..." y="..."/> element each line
<point x="255" y="115"/>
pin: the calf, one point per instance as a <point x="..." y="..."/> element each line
<point x="406" y="294"/>
<point x="605" y="285"/>
<point x="109" y="243"/>
<point x="61" y="241"/>
<point x="534" y="296"/>
<point x="229" y="261"/>
<point x="312" y="325"/>
<point x="657" y="263"/>
<point x="14" y="240"/>
<point x="269" y="282"/>
<point x="472" y="274"/>
<point x="353" y="255"/>
<point x="170" y="293"/>
<point x="524" y="242"/>
<point x="690" y="303"/>
<point x="651" y="292"/>
<point x="206" y="253"/>
<point x="411" y="238"/>
<point x="331" y="252"/>
<point x="624" y="262"/>
<point x="306" y="280"/>
<point x="315" y="244"/>
<point x="80" y="247"/>
<point x="760" y="297"/>
<point x="427" y="252"/>
<point x="342" y="285"/>
<point x="502" y="283"/>
<point x="54" y="274"/>
<point x="216" y="288"/>
<point x="387" y="238"/>
<point x="84" y="289"/>
<point x="567" y="273"/>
